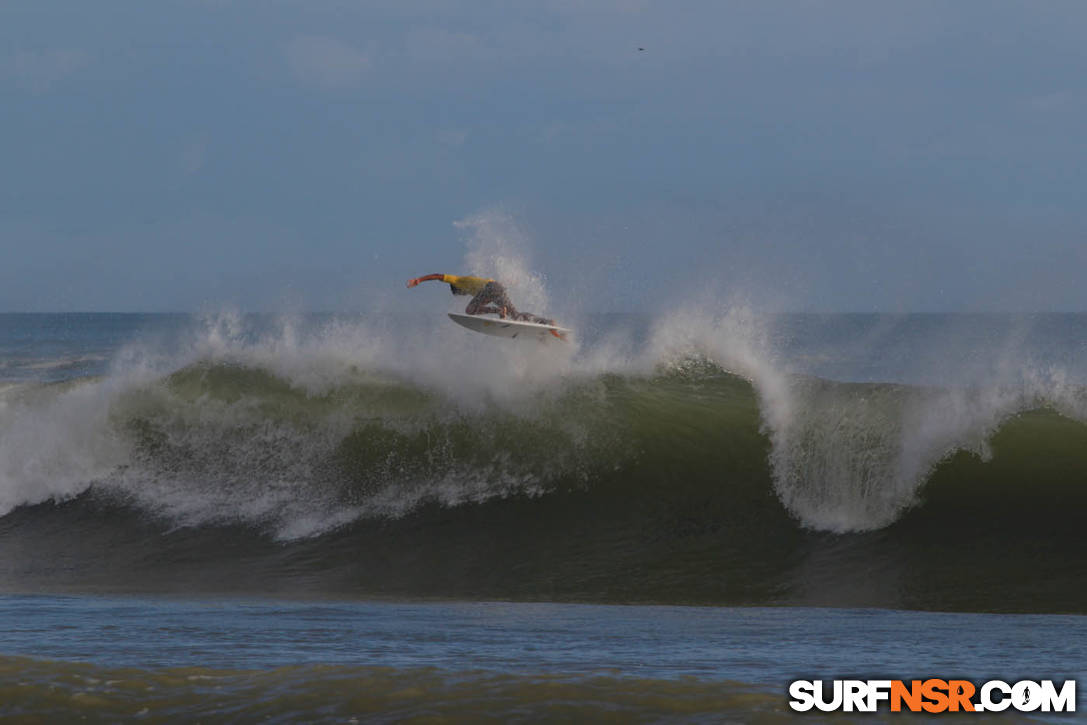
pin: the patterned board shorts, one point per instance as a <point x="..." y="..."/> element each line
<point x="493" y="294"/>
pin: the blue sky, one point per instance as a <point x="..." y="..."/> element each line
<point x="807" y="155"/>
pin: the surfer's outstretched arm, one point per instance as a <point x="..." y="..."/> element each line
<point x="426" y="278"/>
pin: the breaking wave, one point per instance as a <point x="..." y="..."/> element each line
<point x="315" y="436"/>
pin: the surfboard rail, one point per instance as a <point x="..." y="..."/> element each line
<point x="512" y="329"/>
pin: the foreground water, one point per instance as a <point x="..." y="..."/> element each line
<point x="186" y="659"/>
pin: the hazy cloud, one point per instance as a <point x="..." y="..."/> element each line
<point x="439" y="44"/>
<point x="853" y="154"/>
<point x="193" y="156"/>
<point x="38" y="71"/>
<point x="453" y="136"/>
<point x="326" y="62"/>
<point x="1059" y="102"/>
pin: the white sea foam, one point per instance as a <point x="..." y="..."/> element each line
<point x="54" y="441"/>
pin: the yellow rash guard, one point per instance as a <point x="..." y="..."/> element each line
<point x="467" y="284"/>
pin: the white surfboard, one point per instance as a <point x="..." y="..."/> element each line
<point x="509" y="328"/>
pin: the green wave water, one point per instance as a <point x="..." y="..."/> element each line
<point x="668" y="487"/>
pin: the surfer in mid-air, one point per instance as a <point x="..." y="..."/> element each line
<point x="488" y="296"/>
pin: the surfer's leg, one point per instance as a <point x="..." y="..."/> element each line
<point x="492" y="298"/>
<point x="481" y="303"/>
<point x="499" y="298"/>
<point x="529" y="317"/>
<point x="495" y="293"/>
<point x="475" y="306"/>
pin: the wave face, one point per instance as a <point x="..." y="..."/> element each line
<point x="686" y="463"/>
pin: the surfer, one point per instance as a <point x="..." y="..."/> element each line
<point x="488" y="296"/>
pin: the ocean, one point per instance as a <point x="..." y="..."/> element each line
<point x="234" y="517"/>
